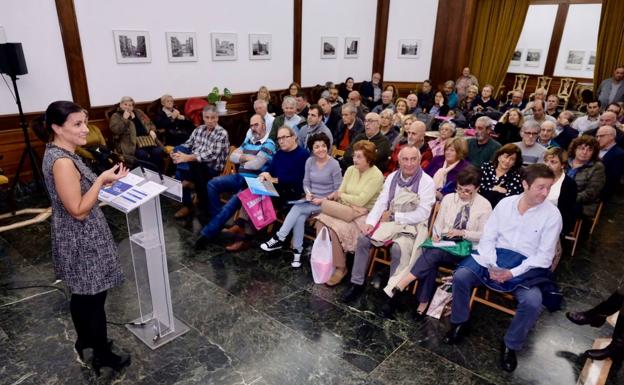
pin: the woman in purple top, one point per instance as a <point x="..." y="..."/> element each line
<point x="444" y="168"/>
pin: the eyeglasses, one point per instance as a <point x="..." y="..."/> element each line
<point x="601" y="135"/>
<point x="371" y="121"/>
<point x="531" y="133"/>
<point x="255" y="125"/>
<point x="283" y="137"/>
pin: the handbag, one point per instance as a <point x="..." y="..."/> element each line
<point x="259" y="208"/>
<point x="321" y="258"/>
<point x="340" y="211"/>
<point x="441" y="299"/>
<point x="145" y="141"/>
<point x="460" y="250"/>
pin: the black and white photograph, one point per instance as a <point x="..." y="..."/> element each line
<point x="260" y="46"/>
<point x="533" y="58"/>
<point x="132" y="46"/>
<point x="329" y="46"/>
<point x="181" y="46"/>
<point x="224" y="46"/>
<point x="409" y="49"/>
<point x="591" y="61"/>
<point x="516" y="58"/>
<point x="352" y="47"/>
<point x="575" y="59"/>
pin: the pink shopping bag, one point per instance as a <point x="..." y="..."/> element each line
<point x="259" y="208"/>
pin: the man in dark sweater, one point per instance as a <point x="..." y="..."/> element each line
<point x="482" y="147"/>
<point x="372" y="132"/>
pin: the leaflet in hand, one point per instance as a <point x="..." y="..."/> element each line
<point x="261" y="187"/>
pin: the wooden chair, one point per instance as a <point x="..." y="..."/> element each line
<point x="336" y="153"/>
<point x="574" y="235"/>
<point x="520" y="83"/>
<point x="229" y="167"/>
<point x="566" y="87"/>
<point x="543" y="82"/>
<point x="500" y="95"/>
<point x="596" y="218"/>
<point x="583" y="93"/>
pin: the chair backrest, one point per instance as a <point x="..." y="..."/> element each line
<point x="583" y="93"/>
<point x="109" y="112"/>
<point x="566" y="87"/>
<point x="543" y="82"/>
<point x="433" y="216"/>
<point x="229" y="167"/>
<point x="521" y="82"/>
<point x="336" y="153"/>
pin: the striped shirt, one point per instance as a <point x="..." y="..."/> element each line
<point x="210" y="147"/>
<point x="265" y="148"/>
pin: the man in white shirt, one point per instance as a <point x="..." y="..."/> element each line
<point x="518" y="245"/>
<point x="589" y="121"/>
<point x="398" y="218"/>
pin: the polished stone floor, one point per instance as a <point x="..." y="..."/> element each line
<point x="255" y="320"/>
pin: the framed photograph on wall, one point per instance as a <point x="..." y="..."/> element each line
<point x="591" y="61"/>
<point x="181" y="46"/>
<point x="516" y="58"/>
<point x="224" y="46"/>
<point x="409" y="48"/>
<point x="329" y="46"/>
<point x="575" y="59"/>
<point x="352" y="47"/>
<point x="132" y="46"/>
<point x="533" y="58"/>
<point x="260" y="46"/>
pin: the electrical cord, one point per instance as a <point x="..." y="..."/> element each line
<point x="9" y="87"/>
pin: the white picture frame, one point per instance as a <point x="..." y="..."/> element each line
<point x="533" y="58"/>
<point x="329" y="47"/>
<point x="575" y="59"/>
<point x="516" y="57"/>
<point x="224" y="46"/>
<point x="591" y="61"/>
<point x="132" y="46"/>
<point x="181" y="46"/>
<point x="409" y="48"/>
<point x="260" y="46"/>
<point x="351" y="47"/>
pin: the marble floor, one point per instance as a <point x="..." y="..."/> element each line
<point x="255" y="320"/>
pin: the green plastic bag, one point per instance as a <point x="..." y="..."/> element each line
<point x="461" y="249"/>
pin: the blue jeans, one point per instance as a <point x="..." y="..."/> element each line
<point x="295" y="221"/>
<point x="219" y="213"/>
<point x="528" y="310"/>
<point x="197" y="172"/>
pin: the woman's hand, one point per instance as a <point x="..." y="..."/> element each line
<point x="435" y="238"/>
<point x="316" y="201"/>
<point x="114" y="173"/>
<point x="456" y="233"/>
<point x="265" y="176"/>
<point x="153" y="134"/>
<point x="500" y="189"/>
<point x="126" y="114"/>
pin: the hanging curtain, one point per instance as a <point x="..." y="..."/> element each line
<point x="610" y="47"/>
<point x="497" y="28"/>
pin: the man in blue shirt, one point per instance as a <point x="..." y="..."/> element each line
<point x="252" y="158"/>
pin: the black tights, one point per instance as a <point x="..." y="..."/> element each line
<point x="89" y="318"/>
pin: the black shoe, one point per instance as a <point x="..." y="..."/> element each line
<point x="584" y="318"/>
<point x="388" y="307"/>
<point x="351" y="293"/>
<point x="272" y="244"/>
<point x="79" y="347"/>
<point x="201" y="243"/>
<point x="508" y="359"/>
<point x="418" y="316"/>
<point x="456" y="333"/>
<point x="615" y="351"/>
<point x="111" y="360"/>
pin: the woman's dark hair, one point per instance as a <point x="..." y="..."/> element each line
<point x="445" y="102"/>
<point x="469" y="176"/>
<point x="347" y="79"/>
<point x="509" y="149"/>
<point x="56" y="113"/>
<point x="320" y="137"/>
<point x="584" y="140"/>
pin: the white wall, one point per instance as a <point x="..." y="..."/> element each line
<point x="536" y="35"/>
<point x="35" y="25"/>
<point x="108" y="80"/>
<point x="410" y="19"/>
<point x="339" y="18"/>
<point x="580" y="33"/>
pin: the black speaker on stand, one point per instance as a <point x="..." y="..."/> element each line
<point x="13" y="64"/>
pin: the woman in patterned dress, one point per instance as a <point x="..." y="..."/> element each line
<point x="83" y="250"/>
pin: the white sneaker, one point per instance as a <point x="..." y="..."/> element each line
<point x="296" y="263"/>
<point x="272" y="244"/>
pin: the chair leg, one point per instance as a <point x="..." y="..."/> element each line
<point x="472" y="297"/>
<point x="372" y="257"/>
<point x="415" y="282"/>
<point x="596" y="218"/>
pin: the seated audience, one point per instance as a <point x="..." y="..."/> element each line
<point x="134" y="136"/>
<point x="590" y="121"/>
<point x="345" y="88"/>
<point x="612" y="157"/>
<point x="293" y="89"/>
<point x="565" y="132"/>
<point x="412" y="104"/>
<point x="386" y="102"/>
<point x="322" y="177"/>
<point x="261" y="108"/>
<point x="532" y="152"/>
<point x="393" y="90"/>
<point x="399" y="216"/>
<point x="588" y="172"/>
<point x="563" y="192"/>
<point x="462" y="214"/>
<point x="371" y="91"/>
<point x="176" y="127"/>
<point x="426" y="96"/>
<point x="508" y="127"/>
<point x="517" y="245"/>
<point x="201" y="158"/>
<point x="264" y="94"/>
<point x="348" y="128"/>
<point x="536" y="113"/>
<point x="356" y="100"/>
<point x="289" y="118"/>
<point x="440" y="105"/>
<point x="465" y="104"/>
<point x="482" y="147"/>
<point x="252" y="158"/>
<point x="444" y="168"/>
<point x="540" y="94"/>
<point x="302" y="104"/>
<point x="334" y="98"/>
<point x="314" y="125"/>
<point x="516" y="101"/>
<point x="608" y="118"/>
<point x="552" y="106"/>
<point x="484" y="102"/>
<point x="373" y="134"/>
<point x="500" y="178"/>
<point x="446" y="132"/>
<point x="464" y="82"/>
<point x="618" y="110"/>
<point x="400" y="106"/>
<point x="386" y="125"/>
<point x="359" y="190"/>
<point x="452" y="100"/>
<point x="547" y="133"/>
<point x="330" y="116"/>
<point x="413" y="135"/>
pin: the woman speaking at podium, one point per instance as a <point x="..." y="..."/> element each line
<point x="84" y="253"/>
